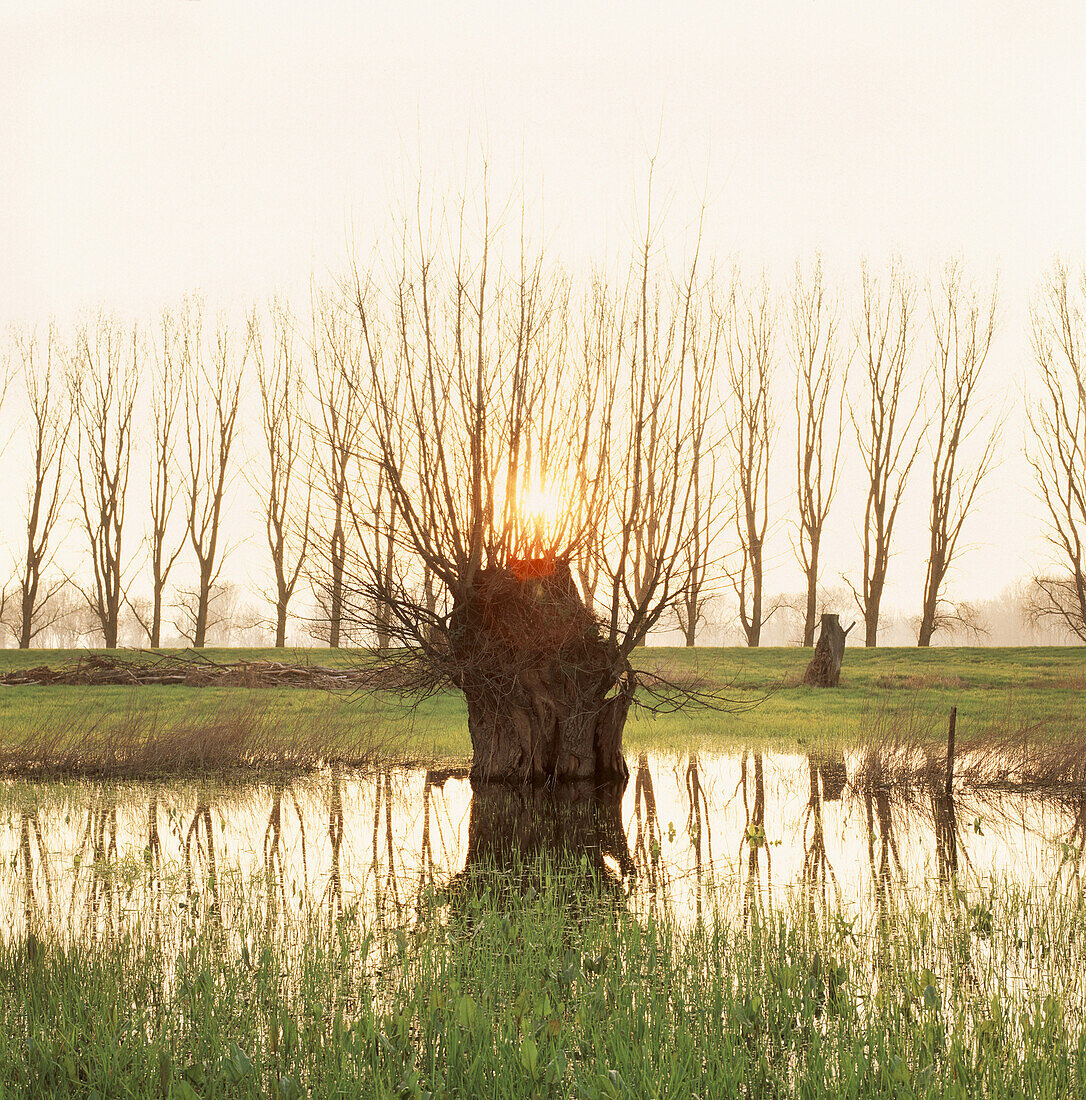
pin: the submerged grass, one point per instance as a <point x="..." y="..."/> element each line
<point x="531" y="986"/>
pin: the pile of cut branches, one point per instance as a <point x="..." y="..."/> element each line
<point x="196" y="670"/>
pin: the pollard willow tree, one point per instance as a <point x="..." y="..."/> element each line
<point x="520" y="430"/>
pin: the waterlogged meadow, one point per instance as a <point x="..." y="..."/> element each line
<point x="751" y="925"/>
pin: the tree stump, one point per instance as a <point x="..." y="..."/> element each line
<point x="825" y="667"/>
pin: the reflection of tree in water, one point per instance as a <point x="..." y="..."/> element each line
<point x="433" y="800"/>
<point x="1073" y="843"/>
<point x="697" y="824"/>
<point x="385" y="884"/>
<point x="878" y="811"/>
<point x="522" y="831"/>
<point x="32" y="855"/>
<point x="96" y="854"/>
<point x="333" y="894"/>
<point x="152" y="858"/>
<point x="200" y="860"/>
<point x="648" y="840"/>
<point x="754" y="836"/>
<point x="833" y="772"/>
<point x="426" y="855"/>
<point x="885" y="799"/>
<point x="818" y="875"/>
<point x="948" y="841"/>
<point x="274" y="878"/>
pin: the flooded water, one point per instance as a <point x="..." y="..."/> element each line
<point x="81" y="860"/>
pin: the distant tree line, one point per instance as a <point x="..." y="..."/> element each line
<point x="650" y="406"/>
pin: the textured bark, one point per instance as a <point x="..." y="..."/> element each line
<point x="825" y="667"/>
<point x="547" y="695"/>
<point x="335" y="588"/>
<point x="203" y="604"/>
<point x="812" y="598"/>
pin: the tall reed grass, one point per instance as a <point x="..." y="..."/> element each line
<point x="141" y="742"/>
<point x="548" y="990"/>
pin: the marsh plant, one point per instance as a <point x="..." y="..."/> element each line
<point x="525" y="985"/>
<point x="246" y="736"/>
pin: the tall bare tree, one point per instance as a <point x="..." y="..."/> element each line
<point x="669" y="333"/>
<point x="167" y="388"/>
<point x="884" y="423"/>
<point x="212" y="369"/>
<point x="820" y="383"/>
<point x="7" y="370"/>
<point x="963" y="325"/>
<point x="701" y="339"/>
<point x="104" y="371"/>
<point x="340" y="398"/>
<point x="1057" y="444"/>
<point x="287" y="493"/>
<point x="601" y="352"/>
<point x="653" y="351"/>
<point x="49" y="423"/>
<point x="751" y="428"/>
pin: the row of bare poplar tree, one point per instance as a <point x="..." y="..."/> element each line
<point x="655" y="402"/>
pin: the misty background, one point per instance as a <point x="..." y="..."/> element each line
<point x="243" y="151"/>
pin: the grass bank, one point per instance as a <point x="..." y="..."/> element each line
<point x="995" y="690"/>
<point x="534" y="987"/>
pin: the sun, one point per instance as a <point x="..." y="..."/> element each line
<point x="541" y="503"/>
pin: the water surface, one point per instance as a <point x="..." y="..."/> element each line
<point x="82" y="860"/>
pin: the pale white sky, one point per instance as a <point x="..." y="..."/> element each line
<point x="148" y="149"/>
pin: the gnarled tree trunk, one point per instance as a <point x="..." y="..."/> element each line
<point x="547" y="694"/>
<point x="825" y="667"/>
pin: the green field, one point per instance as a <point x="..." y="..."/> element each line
<point x="763" y="702"/>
